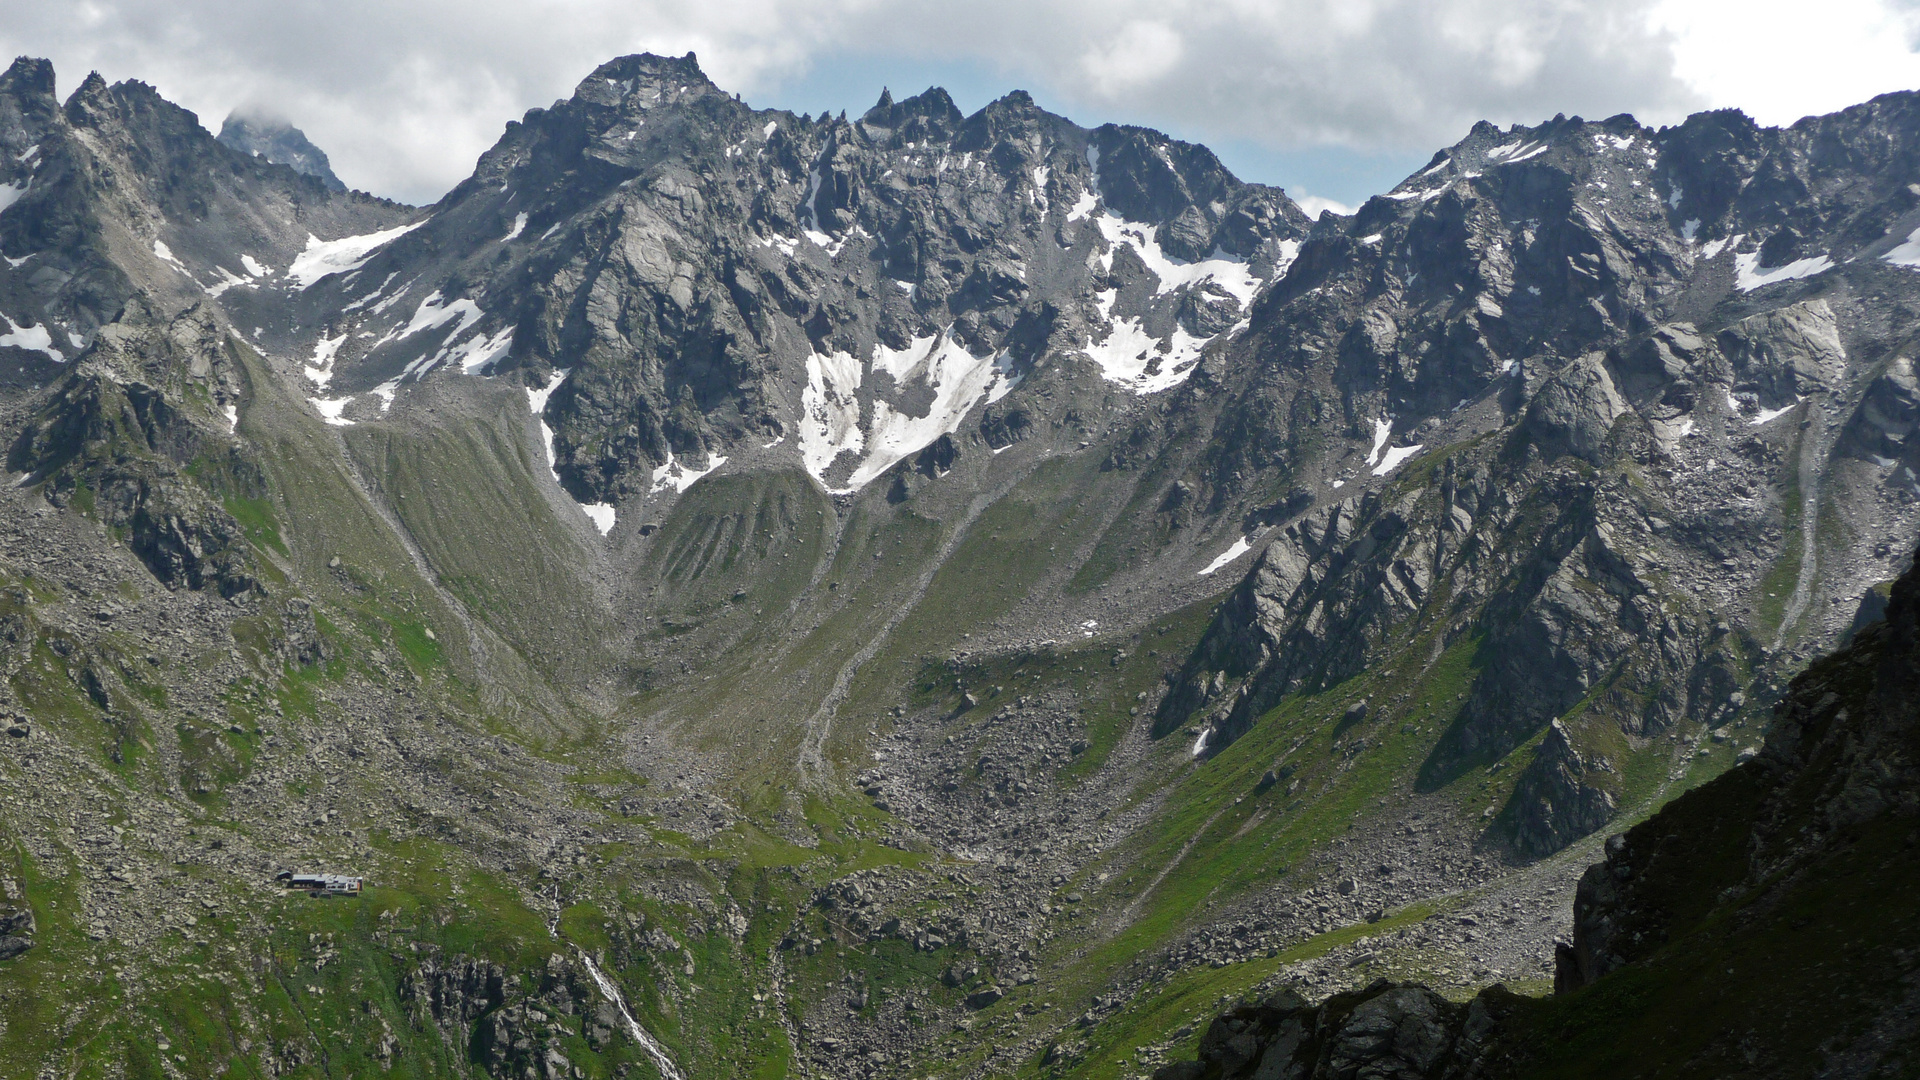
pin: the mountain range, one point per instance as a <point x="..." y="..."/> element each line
<point x="925" y="594"/>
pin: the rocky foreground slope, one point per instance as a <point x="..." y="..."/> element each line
<point x="919" y="594"/>
<point x="1763" y="924"/>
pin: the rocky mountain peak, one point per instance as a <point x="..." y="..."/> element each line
<point x="932" y="106"/>
<point x="274" y="138"/>
<point x="645" y="81"/>
<point x="27" y="102"/>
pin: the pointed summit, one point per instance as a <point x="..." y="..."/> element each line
<point x="263" y="135"/>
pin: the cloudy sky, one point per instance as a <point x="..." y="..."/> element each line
<point x="1335" y="99"/>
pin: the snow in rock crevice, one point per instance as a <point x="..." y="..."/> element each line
<point x="602" y="515"/>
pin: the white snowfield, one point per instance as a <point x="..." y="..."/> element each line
<point x="1382" y="431"/>
<point x="37" y="338"/>
<point x="830" y="411"/>
<point x="320" y="370"/>
<point x="1382" y="459"/>
<point x="325" y="257"/>
<point x="1750" y="275"/>
<point x="1240" y="547"/>
<point x="478" y="351"/>
<point x="1907" y="253"/>
<point x="331" y="409"/>
<point x="1394" y="457"/>
<point x="1231" y="275"/>
<point x="1129" y="355"/>
<point x="1136" y="359"/>
<point x="435" y="312"/>
<point x="228" y="279"/>
<point x="11" y="193"/>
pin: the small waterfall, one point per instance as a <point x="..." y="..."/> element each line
<point x="647" y="1042"/>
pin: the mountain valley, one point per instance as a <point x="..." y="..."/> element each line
<point x="920" y="594"/>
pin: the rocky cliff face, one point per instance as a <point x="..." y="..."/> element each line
<point x="1634" y="432"/>
<point x="716" y="282"/>
<point x="1790" y="873"/>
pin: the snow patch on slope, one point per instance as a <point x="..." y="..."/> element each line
<point x="1138" y="360"/>
<point x="1382" y="431"/>
<point x="1231" y="275"/>
<point x="35" y="338"/>
<point x="320" y="370"/>
<point x="325" y="257"/>
<point x="434" y="312"/>
<point x="959" y="380"/>
<point x="11" y="193"/>
<point x="331" y="408"/>
<point x="1905" y="254"/>
<point x="1394" y="457"/>
<point x="680" y="477"/>
<point x="1240" y="547"/>
<point x="1750" y="275"/>
<point x="830" y="413"/>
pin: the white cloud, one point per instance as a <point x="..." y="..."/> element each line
<point x="1779" y="61"/>
<point x="1140" y="55"/>
<point x="1313" y="204"/>
<point x="404" y="94"/>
